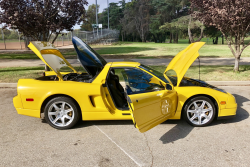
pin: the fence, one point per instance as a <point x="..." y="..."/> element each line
<point x="62" y="39"/>
<point x="102" y="36"/>
<point x="12" y="40"/>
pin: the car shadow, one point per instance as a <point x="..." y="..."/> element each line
<point x="179" y="131"/>
<point x="182" y="129"/>
<point x="82" y="124"/>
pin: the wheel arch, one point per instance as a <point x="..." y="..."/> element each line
<point x="58" y="95"/>
<point x="205" y="95"/>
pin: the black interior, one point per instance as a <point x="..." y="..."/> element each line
<point x="116" y="91"/>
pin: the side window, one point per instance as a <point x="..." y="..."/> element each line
<point x="138" y="81"/>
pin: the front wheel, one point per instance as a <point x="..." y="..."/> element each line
<point x="61" y="113"/>
<point x="199" y="111"/>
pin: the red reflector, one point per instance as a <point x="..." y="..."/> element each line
<point x="29" y="99"/>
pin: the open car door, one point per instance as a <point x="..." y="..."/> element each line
<point x="150" y="102"/>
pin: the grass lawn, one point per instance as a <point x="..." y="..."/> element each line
<point x="208" y="73"/>
<point x="150" y="49"/>
<point x="137" y="50"/>
<point x="68" y="54"/>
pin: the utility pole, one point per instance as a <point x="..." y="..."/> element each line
<point x="96" y="16"/>
<point x="108" y="13"/>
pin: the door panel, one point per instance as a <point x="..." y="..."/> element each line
<point x="151" y="103"/>
<point x="153" y="108"/>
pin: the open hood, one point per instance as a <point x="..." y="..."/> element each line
<point x="184" y="59"/>
<point x="92" y="62"/>
<point x="50" y="55"/>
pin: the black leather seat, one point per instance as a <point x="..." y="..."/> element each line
<point x="117" y="91"/>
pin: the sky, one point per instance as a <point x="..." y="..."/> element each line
<point x="103" y="4"/>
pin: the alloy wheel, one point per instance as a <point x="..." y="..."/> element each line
<point x="200" y="112"/>
<point x="61" y="113"/>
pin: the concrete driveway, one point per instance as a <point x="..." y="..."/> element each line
<point x="27" y="141"/>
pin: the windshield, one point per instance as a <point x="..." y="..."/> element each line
<point x="154" y="72"/>
<point x="173" y="79"/>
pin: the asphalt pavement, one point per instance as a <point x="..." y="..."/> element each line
<point x="27" y="141"/>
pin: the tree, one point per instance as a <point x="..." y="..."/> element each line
<point x="13" y="35"/>
<point x="154" y="28"/>
<point x="90" y="18"/>
<point x="115" y="15"/>
<point x="175" y="9"/>
<point x="142" y="17"/>
<point x="128" y="22"/>
<point x="214" y="33"/>
<point x="193" y="25"/>
<point x="183" y="24"/>
<point x="38" y="19"/>
<point x="231" y="17"/>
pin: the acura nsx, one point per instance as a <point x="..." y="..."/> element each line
<point x="99" y="90"/>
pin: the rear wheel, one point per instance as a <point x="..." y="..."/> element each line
<point x="199" y="111"/>
<point x="61" y="113"/>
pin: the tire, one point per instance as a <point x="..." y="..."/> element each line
<point x="199" y="111"/>
<point x="61" y="113"/>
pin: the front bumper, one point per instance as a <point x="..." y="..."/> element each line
<point x="230" y="109"/>
<point x="227" y="112"/>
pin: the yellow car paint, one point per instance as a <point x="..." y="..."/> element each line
<point x="45" y="48"/>
<point x="147" y="109"/>
<point x="183" y="60"/>
<point x="163" y="103"/>
<point x="49" y="73"/>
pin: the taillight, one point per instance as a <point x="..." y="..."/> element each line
<point x="29" y="99"/>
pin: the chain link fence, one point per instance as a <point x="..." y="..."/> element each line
<point x="62" y="39"/>
<point x="102" y="36"/>
<point x="13" y="40"/>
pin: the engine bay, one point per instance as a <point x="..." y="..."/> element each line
<point x="83" y="77"/>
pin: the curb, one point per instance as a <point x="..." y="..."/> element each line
<point x="214" y="83"/>
<point x="8" y="85"/>
<point x="229" y="83"/>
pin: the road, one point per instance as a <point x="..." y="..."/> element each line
<point x="27" y="141"/>
<point x="164" y="61"/>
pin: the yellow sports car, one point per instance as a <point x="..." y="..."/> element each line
<point x="118" y="90"/>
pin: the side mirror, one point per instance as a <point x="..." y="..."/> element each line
<point x="169" y="87"/>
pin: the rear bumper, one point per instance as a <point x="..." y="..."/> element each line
<point x="28" y="112"/>
<point x="19" y="107"/>
<point x="17" y="102"/>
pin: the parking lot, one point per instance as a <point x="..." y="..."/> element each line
<point x="27" y="141"/>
